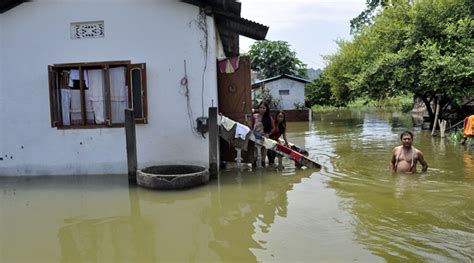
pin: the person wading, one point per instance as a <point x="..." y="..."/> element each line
<point x="405" y="156"/>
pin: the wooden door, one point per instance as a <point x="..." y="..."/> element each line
<point x="235" y="102"/>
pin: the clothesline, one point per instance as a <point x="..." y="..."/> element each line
<point x="239" y="134"/>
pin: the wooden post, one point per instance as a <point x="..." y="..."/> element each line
<point x="213" y="139"/>
<point x="442" y="127"/>
<point x="436" y="117"/>
<point x="259" y="155"/>
<point x="238" y="159"/>
<point x="131" y="146"/>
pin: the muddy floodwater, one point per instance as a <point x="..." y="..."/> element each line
<point x="352" y="210"/>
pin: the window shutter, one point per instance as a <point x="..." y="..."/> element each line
<point x="54" y="97"/>
<point x="137" y="91"/>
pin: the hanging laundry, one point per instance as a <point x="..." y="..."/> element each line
<point x="284" y="149"/>
<point x="299" y="149"/>
<point x="75" y="108"/>
<point x="269" y="143"/>
<point x="241" y="143"/>
<point x="227" y="123"/>
<point x="119" y="94"/>
<point x="241" y="138"/>
<point x="96" y="88"/>
<point x="296" y="156"/>
<point x="468" y="126"/>
<point x="258" y="135"/>
<point x="89" y="108"/>
<point x="65" y="106"/>
<point x="241" y="131"/>
<point x="227" y="135"/>
<point x="229" y="65"/>
<point x="74" y="77"/>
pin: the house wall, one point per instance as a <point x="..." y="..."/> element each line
<point x="296" y="89"/>
<point x="161" y="34"/>
<point x="2" y="109"/>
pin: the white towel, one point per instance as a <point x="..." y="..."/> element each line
<point x="227" y="123"/>
<point x="241" y="131"/>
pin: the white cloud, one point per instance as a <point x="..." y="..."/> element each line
<point x="310" y="26"/>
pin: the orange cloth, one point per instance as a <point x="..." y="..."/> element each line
<point x="469" y="126"/>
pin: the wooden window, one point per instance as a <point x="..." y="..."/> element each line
<point x="284" y="92"/>
<point x="95" y="94"/>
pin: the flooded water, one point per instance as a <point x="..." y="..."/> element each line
<point x="353" y="209"/>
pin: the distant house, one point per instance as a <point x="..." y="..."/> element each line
<point x="288" y="89"/>
<point x="68" y="69"/>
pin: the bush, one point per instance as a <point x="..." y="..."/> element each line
<point x="263" y="94"/>
<point x="456" y="136"/>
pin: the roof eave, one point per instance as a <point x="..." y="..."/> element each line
<point x="267" y="80"/>
<point x="6" y="5"/>
<point x="230" y="24"/>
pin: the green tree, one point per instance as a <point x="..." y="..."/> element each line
<point x="423" y="47"/>
<point x="365" y="17"/>
<point x="273" y="58"/>
<point x="318" y="92"/>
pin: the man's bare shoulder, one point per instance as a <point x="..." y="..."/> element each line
<point x="418" y="152"/>
<point x="396" y="148"/>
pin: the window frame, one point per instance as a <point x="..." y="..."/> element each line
<point x="54" y="79"/>
<point x="284" y="93"/>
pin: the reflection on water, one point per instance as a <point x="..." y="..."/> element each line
<point x="353" y="209"/>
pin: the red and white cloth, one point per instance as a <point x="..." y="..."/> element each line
<point x="229" y="65"/>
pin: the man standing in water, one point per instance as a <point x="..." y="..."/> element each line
<point x="405" y="156"/>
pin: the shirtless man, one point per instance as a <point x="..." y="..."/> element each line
<point x="405" y="156"/>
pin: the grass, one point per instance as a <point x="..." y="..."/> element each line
<point x="457" y="136"/>
<point x="403" y="103"/>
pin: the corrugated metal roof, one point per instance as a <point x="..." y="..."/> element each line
<point x="230" y="24"/>
<point x="258" y="83"/>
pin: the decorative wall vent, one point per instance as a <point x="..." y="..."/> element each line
<point x="87" y="30"/>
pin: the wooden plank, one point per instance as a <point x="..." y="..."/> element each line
<point x="303" y="161"/>
<point x="92" y="64"/>
<point x="107" y="95"/>
<point x="213" y="138"/>
<point x="131" y="141"/>
<point x="83" y="96"/>
<point x="235" y="102"/>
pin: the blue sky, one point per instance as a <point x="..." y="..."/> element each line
<point x="309" y="26"/>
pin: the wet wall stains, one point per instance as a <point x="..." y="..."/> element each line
<point x="6" y="157"/>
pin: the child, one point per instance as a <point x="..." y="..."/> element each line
<point x="278" y="131"/>
<point x="263" y="125"/>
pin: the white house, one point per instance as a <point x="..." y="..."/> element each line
<point x="288" y="89"/>
<point x="68" y="69"/>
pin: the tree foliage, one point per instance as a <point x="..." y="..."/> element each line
<point x="365" y="17"/>
<point x="262" y="94"/>
<point x="274" y="58"/>
<point x="423" y="47"/>
<point x="318" y="92"/>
